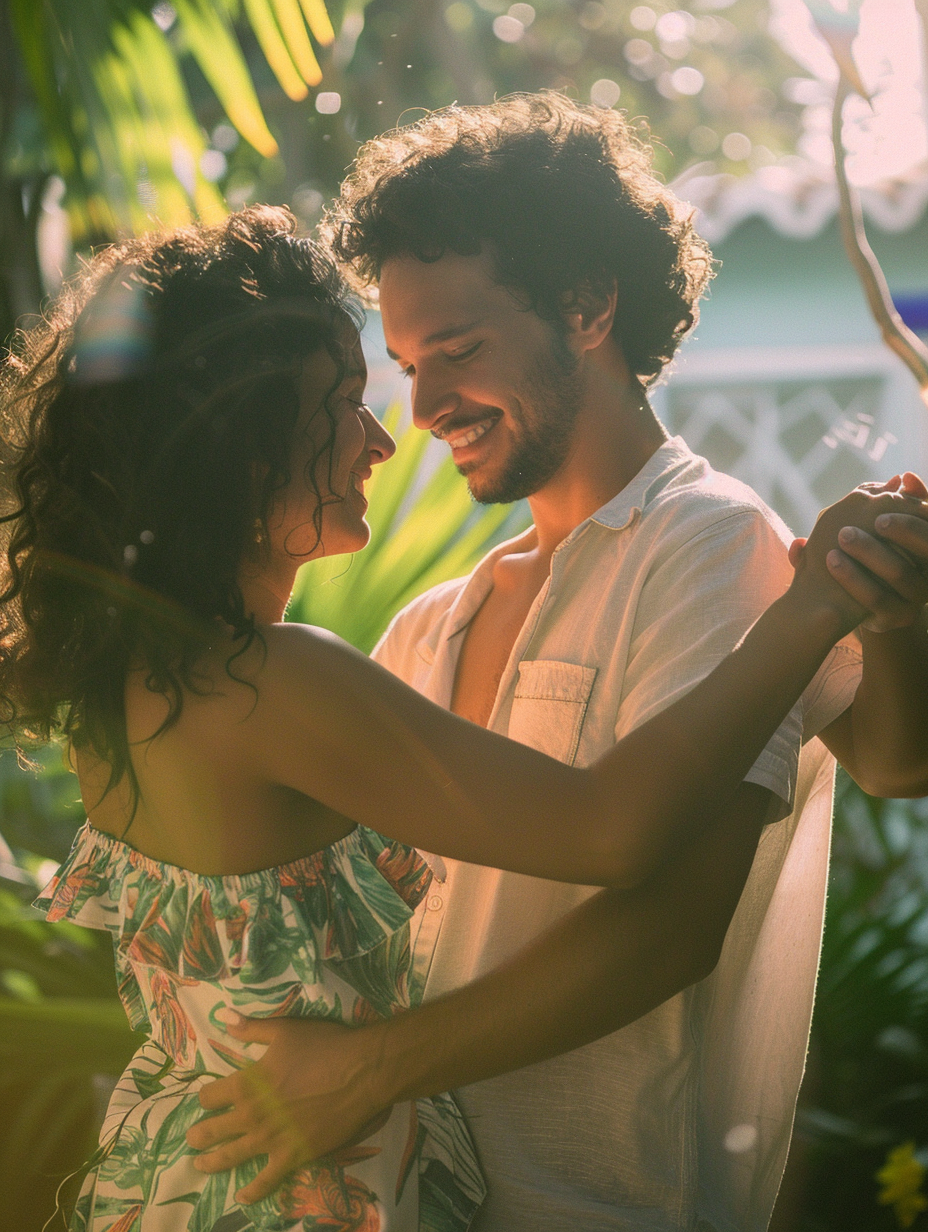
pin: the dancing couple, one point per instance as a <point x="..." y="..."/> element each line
<point x="562" y="847"/>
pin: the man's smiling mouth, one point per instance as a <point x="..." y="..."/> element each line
<point x="466" y="436"/>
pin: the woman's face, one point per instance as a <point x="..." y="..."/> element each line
<point x="337" y="442"/>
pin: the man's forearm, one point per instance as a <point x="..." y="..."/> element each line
<point x="607" y="963"/>
<point x="882" y="741"/>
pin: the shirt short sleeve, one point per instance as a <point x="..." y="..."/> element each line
<point x="695" y="606"/>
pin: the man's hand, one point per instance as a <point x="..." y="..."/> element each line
<point x="879" y="552"/>
<point x="311" y="1092"/>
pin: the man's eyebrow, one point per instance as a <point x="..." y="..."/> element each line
<point x="443" y="335"/>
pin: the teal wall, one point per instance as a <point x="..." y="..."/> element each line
<point x="776" y="291"/>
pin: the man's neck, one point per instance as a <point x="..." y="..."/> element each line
<point x="619" y="434"/>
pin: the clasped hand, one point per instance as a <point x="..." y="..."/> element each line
<point x="874" y="545"/>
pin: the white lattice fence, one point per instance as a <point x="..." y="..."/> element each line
<point x="800" y="425"/>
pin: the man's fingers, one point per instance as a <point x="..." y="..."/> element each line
<point x="254" y="1030"/>
<point x="893" y="568"/>
<point x="276" y="1171"/>
<point x="794" y="552"/>
<point x="230" y="1154"/>
<point x="907" y="532"/>
<point x="888" y="610"/>
<point x="221" y="1093"/>
<point x="206" y="1133"/>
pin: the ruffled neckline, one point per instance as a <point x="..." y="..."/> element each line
<point x="332" y="905"/>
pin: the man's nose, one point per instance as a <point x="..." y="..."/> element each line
<point x="433" y="400"/>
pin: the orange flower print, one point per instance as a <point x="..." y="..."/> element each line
<point x="125" y="1221"/>
<point x="151" y="944"/>
<point x="235" y="926"/>
<point x="81" y="878"/>
<point x="201" y="955"/>
<point x="302" y="874"/>
<point x="363" y="1013"/>
<point x="293" y="1004"/>
<point x="177" y="1036"/>
<point x="339" y="1203"/>
<point x="405" y="870"/>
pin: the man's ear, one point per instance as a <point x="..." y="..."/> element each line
<point x="589" y="317"/>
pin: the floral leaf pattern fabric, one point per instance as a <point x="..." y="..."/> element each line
<point x="325" y="936"/>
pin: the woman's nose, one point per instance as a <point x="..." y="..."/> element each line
<point x="380" y="444"/>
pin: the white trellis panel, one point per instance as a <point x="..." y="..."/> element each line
<point x="801" y="425"/>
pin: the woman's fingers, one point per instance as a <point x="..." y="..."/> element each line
<point x="913" y="485"/>
<point x="906" y="531"/>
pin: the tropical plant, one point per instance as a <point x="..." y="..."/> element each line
<point x="104" y="94"/>
<point x="866" y="1093"/>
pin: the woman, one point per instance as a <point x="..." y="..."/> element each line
<point x="184" y="433"/>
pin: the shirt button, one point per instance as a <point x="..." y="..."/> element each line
<point x="435" y="902"/>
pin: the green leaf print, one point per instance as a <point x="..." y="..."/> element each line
<point x="214" y="1201"/>
<point x="148" y="1084"/>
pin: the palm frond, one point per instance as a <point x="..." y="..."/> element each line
<point x="117" y="115"/>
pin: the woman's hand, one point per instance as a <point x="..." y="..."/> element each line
<point x="311" y="1093"/>
<point x="874" y="545"/>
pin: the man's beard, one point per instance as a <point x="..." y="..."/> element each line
<point x="541" y="446"/>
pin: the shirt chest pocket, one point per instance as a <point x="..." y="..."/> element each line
<point x="549" y="706"/>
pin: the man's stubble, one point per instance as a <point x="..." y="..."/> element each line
<point x="542" y="438"/>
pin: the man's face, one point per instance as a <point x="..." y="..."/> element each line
<point x="489" y="377"/>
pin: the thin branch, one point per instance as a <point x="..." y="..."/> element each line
<point x="896" y="334"/>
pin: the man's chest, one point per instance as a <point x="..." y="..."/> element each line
<point x="486" y="647"/>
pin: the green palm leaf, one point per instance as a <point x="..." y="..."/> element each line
<point x="118" y="119"/>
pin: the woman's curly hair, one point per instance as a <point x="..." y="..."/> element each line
<point x="147" y="424"/>
<point x="563" y="193"/>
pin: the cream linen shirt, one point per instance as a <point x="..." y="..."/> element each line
<point x="682" y="1119"/>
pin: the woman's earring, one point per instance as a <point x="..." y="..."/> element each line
<point x="258" y="534"/>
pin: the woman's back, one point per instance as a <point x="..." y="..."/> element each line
<point x="201" y="785"/>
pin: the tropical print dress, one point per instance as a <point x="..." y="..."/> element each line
<point x="325" y="936"/>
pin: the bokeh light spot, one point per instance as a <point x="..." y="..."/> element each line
<point x="508" y="29"/>
<point x="605" y="93"/>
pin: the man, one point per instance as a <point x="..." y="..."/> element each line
<point x="534" y="277"/>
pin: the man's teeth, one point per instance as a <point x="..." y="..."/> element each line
<point x="472" y="434"/>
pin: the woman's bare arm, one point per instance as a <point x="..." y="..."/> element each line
<point x="330" y="724"/>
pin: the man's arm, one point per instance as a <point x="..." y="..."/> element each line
<point x="611" y="960"/>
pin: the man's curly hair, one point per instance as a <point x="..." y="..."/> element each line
<point x="562" y="194"/>
<point x="146" y="426"/>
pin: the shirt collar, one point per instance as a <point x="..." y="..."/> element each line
<point x="662" y="465"/>
<point x="616" y="514"/>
